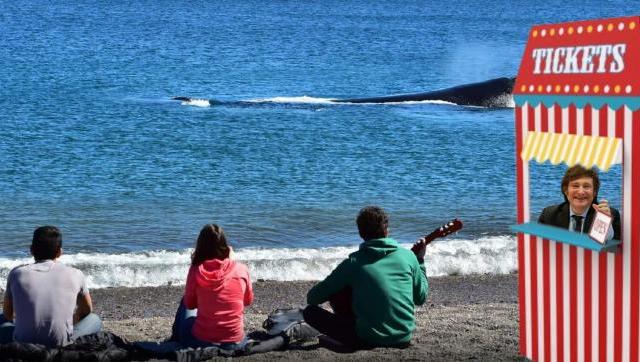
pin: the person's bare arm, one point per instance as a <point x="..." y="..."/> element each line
<point x="7" y="308"/>
<point x="83" y="307"/>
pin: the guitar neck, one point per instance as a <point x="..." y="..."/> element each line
<point x="431" y="237"/>
<point x="446" y="229"/>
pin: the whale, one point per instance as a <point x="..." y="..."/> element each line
<point x="493" y="93"/>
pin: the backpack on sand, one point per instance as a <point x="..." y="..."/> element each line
<point x="289" y="322"/>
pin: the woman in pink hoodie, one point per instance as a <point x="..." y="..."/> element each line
<point x="218" y="288"/>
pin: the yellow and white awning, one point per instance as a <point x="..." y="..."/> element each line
<point x="571" y="149"/>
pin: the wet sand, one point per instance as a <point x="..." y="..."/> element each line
<point x="465" y="318"/>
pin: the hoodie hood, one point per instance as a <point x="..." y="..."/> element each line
<point x="212" y="273"/>
<point x="379" y="248"/>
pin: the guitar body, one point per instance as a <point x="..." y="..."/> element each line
<point x="341" y="302"/>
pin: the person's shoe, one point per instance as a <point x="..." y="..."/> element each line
<point x="301" y="332"/>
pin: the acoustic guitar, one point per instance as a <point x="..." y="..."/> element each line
<point x="341" y="301"/>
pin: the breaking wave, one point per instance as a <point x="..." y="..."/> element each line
<point x="492" y="255"/>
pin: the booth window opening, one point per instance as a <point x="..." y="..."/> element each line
<point x="545" y="190"/>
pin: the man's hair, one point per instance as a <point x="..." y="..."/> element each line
<point x="46" y="243"/>
<point x="372" y="222"/>
<point x="211" y="244"/>
<point x="576" y="172"/>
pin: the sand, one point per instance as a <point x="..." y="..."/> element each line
<point x="465" y="318"/>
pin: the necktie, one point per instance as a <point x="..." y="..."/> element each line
<point x="578" y="223"/>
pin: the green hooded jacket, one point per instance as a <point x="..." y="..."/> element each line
<point x="387" y="282"/>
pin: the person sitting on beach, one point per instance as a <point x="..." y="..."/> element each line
<point x="373" y="292"/>
<point x="580" y="190"/>
<point x="217" y="290"/>
<point x="47" y="302"/>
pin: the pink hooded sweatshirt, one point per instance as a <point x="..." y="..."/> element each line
<point x="220" y="289"/>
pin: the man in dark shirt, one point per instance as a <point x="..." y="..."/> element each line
<point x="580" y="189"/>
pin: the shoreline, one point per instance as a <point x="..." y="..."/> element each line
<point x="146" y="302"/>
<point x="465" y="317"/>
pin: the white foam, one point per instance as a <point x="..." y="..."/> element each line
<point x="495" y="255"/>
<point x="303" y="100"/>
<point x="511" y="103"/>
<point x="504" y="100"/>
<point x="313" y="100"/>
<point x="492" y="255"/>
<point x="197" y="102"/>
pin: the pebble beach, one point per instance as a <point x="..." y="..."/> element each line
<point x="471" y="317"/>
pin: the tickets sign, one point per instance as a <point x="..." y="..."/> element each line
<point x="585" y="58"/>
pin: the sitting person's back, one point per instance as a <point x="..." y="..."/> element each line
<point x="47" y="297"/>
<point x="220" y="290"/>
<point x="382" y="276"/>
<point x="216" y="292"/>
<point x="382" y="282"/>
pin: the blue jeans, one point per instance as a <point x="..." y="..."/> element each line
<point x="87" y="325"/>
<point x="6" y="330"/>
<point x="181" y="331"/>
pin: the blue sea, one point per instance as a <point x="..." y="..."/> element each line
<point x="91" y="141"/>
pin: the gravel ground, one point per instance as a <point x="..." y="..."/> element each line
<point x="465" y="318"/>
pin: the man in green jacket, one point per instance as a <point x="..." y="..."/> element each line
<point x="382" y="283"/>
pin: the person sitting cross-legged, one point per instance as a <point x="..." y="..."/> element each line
<point x="373" y="293"/>
<point x="218" y="288"/>
<point x="47" y="302"/>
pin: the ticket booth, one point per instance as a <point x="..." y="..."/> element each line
<point x="577" y="100"/>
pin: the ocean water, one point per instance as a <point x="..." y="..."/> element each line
<point x="90" y="140"/>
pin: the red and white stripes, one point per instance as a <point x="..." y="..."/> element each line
<point x="577" y="304"/>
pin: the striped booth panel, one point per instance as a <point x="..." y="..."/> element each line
<point x="577" y="102"/>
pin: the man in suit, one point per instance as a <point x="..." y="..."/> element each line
<point x="580" y="189"/>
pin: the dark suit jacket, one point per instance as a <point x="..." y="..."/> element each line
<point x="558" y="215"/>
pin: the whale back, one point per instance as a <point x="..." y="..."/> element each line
<point x="491" y="93"/>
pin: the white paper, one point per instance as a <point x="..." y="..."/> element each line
<point x="599" y="227"/>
